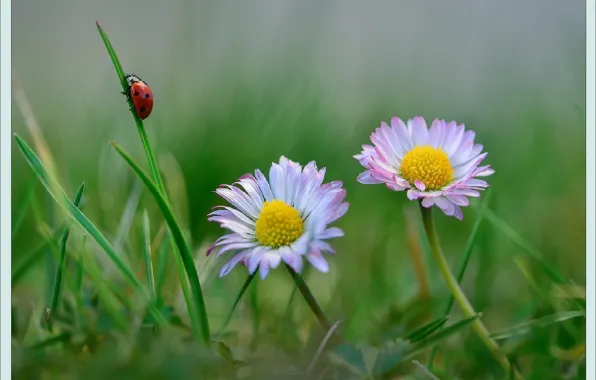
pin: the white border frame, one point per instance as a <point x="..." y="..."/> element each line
<point x="5" y="190"/>
<point x="5" y="208"/>
<point x="590" y="191"/>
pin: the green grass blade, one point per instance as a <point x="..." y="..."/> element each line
<point x="237" y="301"/>
<point x="128" y="215"/>
<point x="147" y="252"/>
<point x="162" y="267"/>
<point x="426" y="330"/>
<point x="199" y="314"/>
<point x="526" y="327"/>
<point x="113" y="57"/>
<point x="532" y="251"/>
<point x="441" y="335"/>
<point x="21" y="211"/>
<point x="61" y="262"/>
<point x="152" y="162"/>
<point x="81" y="219"/>
<point x="21" y="267"/>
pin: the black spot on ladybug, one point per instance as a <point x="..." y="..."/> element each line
<point x="147" y="96"/>
<point x="142" y="109"/>
<point x="136" y="93"/>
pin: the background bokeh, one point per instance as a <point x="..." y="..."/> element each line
<point x="237" y="84"/>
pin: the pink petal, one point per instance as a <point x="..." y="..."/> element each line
<point x="420" y="185"/>
<point x="428" y="202"/>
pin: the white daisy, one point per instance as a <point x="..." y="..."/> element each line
<point x="437" y="165"/>
<point x="282" y="219"/>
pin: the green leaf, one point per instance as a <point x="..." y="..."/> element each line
<point x="61" y="262"/>
<point x="525" y="327"/>
<point x="197" y="310"/>
<point x="349" y="357"/>
<point x="61" y="198"/>
<point x="391" y="355"/>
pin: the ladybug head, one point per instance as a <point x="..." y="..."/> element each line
<point x="132" y="78"/>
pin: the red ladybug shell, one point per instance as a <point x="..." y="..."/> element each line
<point x="142" y="98"/>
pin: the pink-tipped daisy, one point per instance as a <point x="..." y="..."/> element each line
<point x="437" y="165"/>
<point x="280" y="219"/>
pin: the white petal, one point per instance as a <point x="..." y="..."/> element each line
<point x="331" y="233"/>
<point x="419" y="132"/>
<point x="318" y="261"/>
<point x="264" y="185"/>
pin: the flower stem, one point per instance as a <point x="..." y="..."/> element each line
<point x="310" y="299"/>
<point x="458" y="294"/>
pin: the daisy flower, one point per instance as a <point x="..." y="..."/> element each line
<point x="284" y="218"/>
<point x="437" y="165"/>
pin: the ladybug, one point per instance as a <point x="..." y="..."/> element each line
<point x="141" y="95"/>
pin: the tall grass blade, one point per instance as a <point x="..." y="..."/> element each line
<point x="152" y="162"/>
<point x="61" y="263"/>
<point x="128" y="215"/>
<point x="162" y="267"/>
<point x="81" y="219"/>
<point x="147" y="255"/>
<point x="197" y="309"/>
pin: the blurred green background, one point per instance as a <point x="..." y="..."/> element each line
<point x="237" y="84"/>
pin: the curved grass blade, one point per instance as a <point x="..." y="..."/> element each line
<point x="237" y="301"/>
<point x="526" y="327"/>
<point x="532" y="251"/>
<point x="147" y="252"/>
<point x="61" y="262"/>
<point x="152" y="162"/>
<point x="197" y="310"/>
<point x="81" y="219"/>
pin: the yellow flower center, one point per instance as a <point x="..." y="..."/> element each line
<point x="278" y="225"/>
<point x="429" y="165"/>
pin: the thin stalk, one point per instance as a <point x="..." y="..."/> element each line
<point x="458" y="294"/>
<point x="463" y="265"/>
<point x="310" y="299"/>
<point x="237" y="301"/>
<point x="61" y="262"/>
<point x="198" y="317"/>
